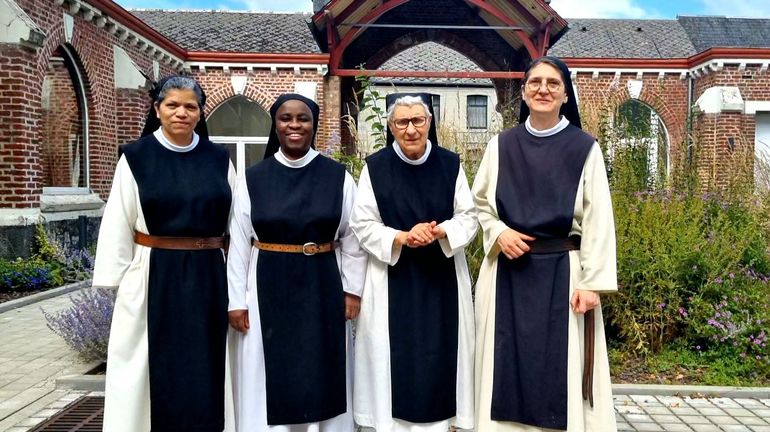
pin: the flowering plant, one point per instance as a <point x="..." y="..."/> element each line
<point x="85" y="326"/>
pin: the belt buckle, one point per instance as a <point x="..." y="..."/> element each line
<point x="200" y="243"/>
<point x="306" y="248"/>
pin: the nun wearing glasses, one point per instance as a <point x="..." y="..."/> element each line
<point x="414" y="215"/>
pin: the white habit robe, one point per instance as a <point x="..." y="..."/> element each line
<point x="593" y="268"/>
<point x="372" y="400"/>
<point x="124" y="265"/>
<point x="248" y="362"/>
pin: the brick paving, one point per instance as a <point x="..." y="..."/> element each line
<point x="32" y="357"/>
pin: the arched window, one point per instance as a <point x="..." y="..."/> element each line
<point x="64" y="124"/>
<point x="640" y="148"/>
<point x="242" y="126"/>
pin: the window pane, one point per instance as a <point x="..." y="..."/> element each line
<point x="232" y="148"/>
<point x="239" y="117"/>
<point x="254" y="153"/>
<point x="477" y="112"/>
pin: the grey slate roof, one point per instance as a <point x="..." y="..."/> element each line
<point x="708" y="32"/>
<point x="431" y="56"/>
<point x="233" y="31"/>
<point x="623" y="38"/>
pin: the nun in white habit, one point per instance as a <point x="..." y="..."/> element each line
<point x="414" y="215"/>
<point x="295" y="274"/>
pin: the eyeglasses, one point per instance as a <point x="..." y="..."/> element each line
<point x="403" y="123"/>
<point x="552" y="85"/>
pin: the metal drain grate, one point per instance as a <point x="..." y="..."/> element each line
<point x="85" y="415"/>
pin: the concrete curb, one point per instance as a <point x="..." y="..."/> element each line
<point x="81" y="383"/>
<point x="34" y="298"/>
<point x="691" y="390"/>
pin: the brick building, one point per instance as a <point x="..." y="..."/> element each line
<point x="74" y="74"/>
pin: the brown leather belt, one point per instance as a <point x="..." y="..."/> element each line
<point x="180" y="243"/>
<point x="308" y="248"/>
<point x="546" y="246"/>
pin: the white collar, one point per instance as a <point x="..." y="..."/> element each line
<point x="299" y="163"/>
<point x="173" y="147"/>
<point x="563" y="123"/>
<point x="402" y="156"/>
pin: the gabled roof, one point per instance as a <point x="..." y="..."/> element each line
<point x="243" y="32"/>
<point x="624" y="38"/>
<point x="431" y="56"/>
<point x="717" y="31"/>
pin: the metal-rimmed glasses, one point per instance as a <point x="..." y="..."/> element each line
<point x="403" y="123"/>
<point x="552" y="85"/>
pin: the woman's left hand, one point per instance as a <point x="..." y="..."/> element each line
<point x="352" y="306"/>
<point x="583" y="301"/>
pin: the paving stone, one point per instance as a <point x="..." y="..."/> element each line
<point x="705" y="428"/>
<point x="666" y="418"/>
<point x="624" y="427"/>
<point x="760" y="428"/>
<point x="630" y="409"/>
<point x="738" y="412"/>
<point x="643" y="427"/>
<point x="735" y="428"/>
<point x="676" y="427"/>
<point x="725" y="402"/>
<point x="749" y="403"/>
<point x="683" y="411"/>
<point x="657" y="410"/>
<point x="697" y="419"/>
<point x="755" y="421"/>
<point x="723" y="420"/>
<point x="669" y="400"/>
<point x="638" y="418"/>
<point x="711" y="411"/>
<point x="764" y="412"/>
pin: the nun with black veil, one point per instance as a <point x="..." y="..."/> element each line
<point x="161" y="245"/>
<point x="414" y="215"/>
<point x="295" y="274"/>
<point x="549" y="242"/>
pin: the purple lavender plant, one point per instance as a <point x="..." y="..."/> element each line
<point x="85" y="326"/>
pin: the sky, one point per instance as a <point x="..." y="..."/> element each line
<point x="565" y="8"/>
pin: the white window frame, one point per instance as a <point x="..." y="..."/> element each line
<point x="240" y="148"/>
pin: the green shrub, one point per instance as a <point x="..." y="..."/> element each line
<point x="692" y="271"/>
<point x="23" y="275"/>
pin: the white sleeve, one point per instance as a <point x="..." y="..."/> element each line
<point x="485" y="195"/>
<point x="115" y="247"/>
<point x="239" y="253"/>
<point x="366" y="223"/>
<point x="352" y="257"/>
<point x="461" y="229"/>
<point x="597" y="245"/>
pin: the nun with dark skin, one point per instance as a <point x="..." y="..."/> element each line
<point x="295" y="276"/>
<point x="161" y="245"/>
<point x="549" y="242"/>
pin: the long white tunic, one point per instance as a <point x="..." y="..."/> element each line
<point x="593" y="268"/>
<point x="124" y="265"/>
<point x="372" y="373"/>
<point x="248" y="355"/>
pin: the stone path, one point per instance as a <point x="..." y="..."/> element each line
<point x="32" y="357"/>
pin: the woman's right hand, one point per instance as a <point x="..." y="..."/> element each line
<point x="512" y="243"/>
<point x="239" y="319"/>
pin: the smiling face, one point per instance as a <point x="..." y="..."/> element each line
<point x="179" y="114"/>
<point x="544" y="91"/>
<point x="412" y="140"/>
<point x="294" y="127"/>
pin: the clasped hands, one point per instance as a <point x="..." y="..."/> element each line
<point x="513" y="244"/>
<point x="420" y="235"/>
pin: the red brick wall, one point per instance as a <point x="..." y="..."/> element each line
<point x="667" y="96"/>
<point x="264" y="87"/>
<point x="21" y="76"/>
<point x="719" y="164"/>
